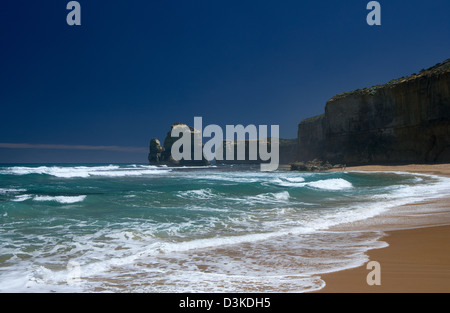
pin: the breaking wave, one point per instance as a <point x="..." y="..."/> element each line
<point x="85" y="171"/>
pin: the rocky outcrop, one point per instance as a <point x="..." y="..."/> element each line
<point x="163" y="155"/>
<point x="156" y="150"/>
<point x="404" y="121"/>
<point x="287" y="151"/>
<point x="312" y="166"/>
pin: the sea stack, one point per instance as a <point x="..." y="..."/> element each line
<point x="162" y="155"/>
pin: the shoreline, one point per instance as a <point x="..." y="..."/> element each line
<point x="416" y="261"/>
<point x="417" y="258"/>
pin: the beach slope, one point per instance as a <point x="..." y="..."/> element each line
<point x="417" y="259"/>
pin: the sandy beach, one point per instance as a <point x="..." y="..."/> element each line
<point x="417" y="259"/>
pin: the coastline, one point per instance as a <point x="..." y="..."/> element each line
<point x="417" y="258"/>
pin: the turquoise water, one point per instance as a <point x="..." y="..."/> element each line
<point x="143" y="228"/>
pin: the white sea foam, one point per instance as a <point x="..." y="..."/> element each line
<point x="331" y="184"/>
<point x="286" y="183"/>
<point x="61" y="199"/>
<point x="22" y="198"/>
<point x="278" y="196"/>
<point x="197" y="194"/>
<point x="413" y="193"/>
<point x="334" y="184"/>
<point x="295" y="179"/>
<point x="11" y="190"/>
<point x="85" y="171"/>
<point x="258" y="266"/>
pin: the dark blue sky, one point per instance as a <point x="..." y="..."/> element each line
<point x="135" y="67"/>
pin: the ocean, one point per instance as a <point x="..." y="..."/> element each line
<point x="142" y="228"/>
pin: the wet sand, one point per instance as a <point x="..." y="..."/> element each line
<point x="417" y="259"/>
<point x="435" y="169"/>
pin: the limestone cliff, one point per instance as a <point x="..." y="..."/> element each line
<point x="163" y="156"/>
<point x="404" y="121"/>
<point x="287" y="151"/>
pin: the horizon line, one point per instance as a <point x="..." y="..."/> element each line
<point x="70" y="147"/>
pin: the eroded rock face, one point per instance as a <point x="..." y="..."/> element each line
<point x="313" y="166"/>
<point x="404" y="121"/>
<point x="156" y="151"/>
<point x="163" y="155"/>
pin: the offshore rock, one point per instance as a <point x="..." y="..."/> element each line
<point x="156" y="151"/>
<point x="163" y="156"/>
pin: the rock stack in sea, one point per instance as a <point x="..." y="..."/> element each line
<point x="162" y="155"/>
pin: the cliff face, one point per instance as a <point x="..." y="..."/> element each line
<point x="162" y="154"/>
<point x="311" y="138"/>
<point x="159" y="155"/>
<point x="404" y="121"/>
<point x="287" y="152"/>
